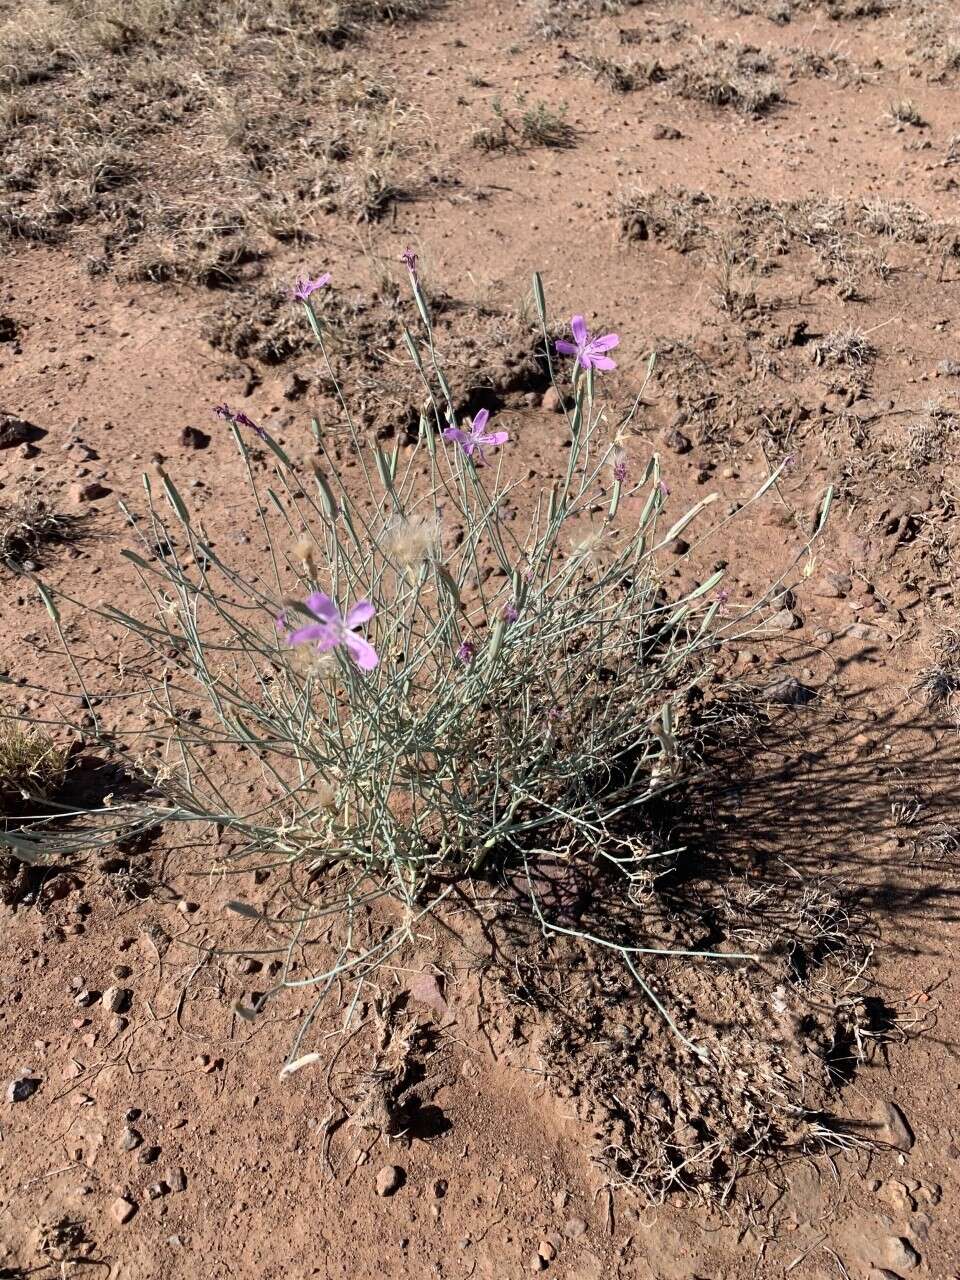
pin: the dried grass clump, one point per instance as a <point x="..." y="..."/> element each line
<point x="848" y="347"/>
<point x="94" y="132"/>
<point x="32" y="765"/>
<point x="730" y="75"/>
<point x="27" y="526"/>
<point x="674" y="215"/>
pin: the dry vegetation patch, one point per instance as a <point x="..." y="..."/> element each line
<point x="192" y="138"/>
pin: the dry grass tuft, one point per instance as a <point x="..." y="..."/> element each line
<point x="536" y="125"/>
<point x="27" y="526"/>
<point x="730" y="75"/>
<point x="32" y="765"/>
<point x="848" y="347"/>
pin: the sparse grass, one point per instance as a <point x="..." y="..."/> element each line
<point x="905" y="111"/>
<point x="28" y="526"/>
<point x="933" y="40"/>
<point x="675" y="215"/>
<point x="729" y="75"/>
<point x="532" y="125"/>
<point x="928" y="436"/>
<point x="897" y="219"/>
<point x="105" y="95"/>
<point x="940" y="680"/>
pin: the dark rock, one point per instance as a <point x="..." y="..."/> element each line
<point x="678" y="547"/>
<point x="14" y="431"/>
<point x="665" y="133"/>
<point x="23" y="1087"/>
<point x="295" y="386"/>
<point x="9" y="331"/>
<point x="194" y="438"/>
<point x="677" y="441"/>
<point x="130" y="1139"/>
<point x="789" y="692"/>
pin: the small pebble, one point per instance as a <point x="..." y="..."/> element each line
<point x="176" y="1179"/>
<point x="116" y="999"/>
<point x="122" y="1209"/>
<point x="389" y="1180"/>
<point x="23" y="1087"/>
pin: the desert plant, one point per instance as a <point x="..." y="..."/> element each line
<point x="427" y="689"/>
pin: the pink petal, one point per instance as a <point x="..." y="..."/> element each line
<point x="579" y="328"/>
<point x="361" y="651"/>
<point x="480" y="421"/>
<point x="599" y="362"/>
<point x="494" y="438"/>
<point x="606" y="343"/>
<point x="323" y="607"/>
<point x="361" y="612"/>
<point x="454" y="433"/>
<point x="313" y="632"/>
<point x="566" y="348"/>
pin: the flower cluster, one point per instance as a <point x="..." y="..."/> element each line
<point x="329" y="629"/>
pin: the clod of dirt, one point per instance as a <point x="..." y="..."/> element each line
<point x="194" y="438"/>
<point x="893" y="1126"/>
<point x="14" y="431"/>
<point x="295" y="386"/>
<point x="122" y="1209"/>
<point x="24" y="1086"/>
<point x="834" y="586"/>
<point x="176" y="1179"/>
<point x="116" y="999"/>
<point x="551" y="400"/>
<point x="901" y="1253"/>
<point x="784" y="620"/>
<point x="574" y="1228"/>
<point x="91" y="491"/>
<point x="665" y="133"/>
<point x="679" y="547"/>
<point x="948" y="369"/>
<point x="157" y="1190"/>
<point x="390" y="1179"/>
<point x="678" y="442"/>
<point x="8" y="329"/>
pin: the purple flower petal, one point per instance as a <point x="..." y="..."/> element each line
<point x="579" y="328"/>
<point x="454" y="433"/>
<point x="361" y="612"/>
<point x="361" y="651"/>
<point x="494" y="438"/>
<point x="313" y="633"/>
<point x="323" y="607"/>
<point x="566" y="348"/>
<point x="599" y="362"/>
<point x="480" y="421"/>
<point x="606" y="343"/>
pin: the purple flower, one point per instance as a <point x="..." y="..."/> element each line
<point x="305" y="286"/>
<point x="238" y="418"/>
<point x="331" y="630"/>
<point x="588" y="351"/>
<point x="510" y="613"/>
<point x="664" y="488"/>
<point x="466" y="652"/>
<point x="473" y="440"/>
<point x="409" y="260"/>
<point x="620" y="469"/>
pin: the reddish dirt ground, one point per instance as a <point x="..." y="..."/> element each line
<point x="233" y="1171"/>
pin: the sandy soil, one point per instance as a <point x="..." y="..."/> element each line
<point x="797" y="270"/>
